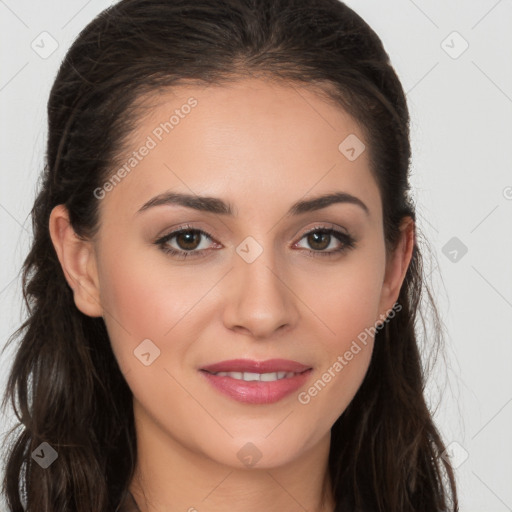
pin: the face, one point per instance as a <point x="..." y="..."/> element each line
<point x="252" y="276"/>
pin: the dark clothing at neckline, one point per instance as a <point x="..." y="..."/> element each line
<point x="128" y="504"/>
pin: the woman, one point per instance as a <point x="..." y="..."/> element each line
<point x="225" y="274"/>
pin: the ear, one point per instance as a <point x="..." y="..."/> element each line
<point x="78" y="261"/>
<point x="396" y="267"/>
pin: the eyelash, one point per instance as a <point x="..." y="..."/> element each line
<point x="347" y="241"/>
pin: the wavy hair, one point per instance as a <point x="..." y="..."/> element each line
<point x="65" y="385"/>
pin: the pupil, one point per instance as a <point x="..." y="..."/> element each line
<point x="188" y="240"/>
<point x="316" y="237"/>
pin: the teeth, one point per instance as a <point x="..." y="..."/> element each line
<point x="250" y="376"/>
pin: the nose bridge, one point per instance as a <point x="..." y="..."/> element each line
<point x="261" y="302"/>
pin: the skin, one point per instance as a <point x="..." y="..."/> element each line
<point x="262" y="146"/>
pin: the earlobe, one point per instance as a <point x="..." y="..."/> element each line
<point x="396" y="267"/>
<point x="78" y="262"/>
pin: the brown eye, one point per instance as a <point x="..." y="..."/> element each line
<point x="185" y="242"/>
<point x="319" y="240"/>
<point x="188" y="240"/>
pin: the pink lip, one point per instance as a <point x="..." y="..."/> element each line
<point x="256" y="392"/>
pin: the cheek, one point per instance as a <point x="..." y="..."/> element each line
<point x="347" y="354"/>
<point x="145" y="300"/>
<point x="349" y="303"/>
<point x="349" y="306"/>
<point x="335" y="387"/>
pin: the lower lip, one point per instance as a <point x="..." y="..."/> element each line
<point x="257" y="392"/>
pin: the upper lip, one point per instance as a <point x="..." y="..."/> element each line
<point x="248" y="365"/>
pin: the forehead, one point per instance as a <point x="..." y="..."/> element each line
<point x="251" y="139"/>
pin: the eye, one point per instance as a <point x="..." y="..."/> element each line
<point x="188" y="241"/>
<point x="321" y="238"/>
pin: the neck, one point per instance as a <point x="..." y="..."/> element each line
<point x="169" y="476"/>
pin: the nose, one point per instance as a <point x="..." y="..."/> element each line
<point x="260" y="298"/>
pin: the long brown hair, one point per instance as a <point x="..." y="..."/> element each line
<point x="65" y="385"/>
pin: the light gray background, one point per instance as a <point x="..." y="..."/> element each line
<point x="461" y="106"/>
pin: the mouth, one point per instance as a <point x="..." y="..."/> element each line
<point x="257" y="382"/>
<point x="262" y="377"/>
<point x="260" y="367"/>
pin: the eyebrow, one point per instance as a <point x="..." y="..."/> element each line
<point x="218" y="206"/>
